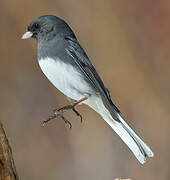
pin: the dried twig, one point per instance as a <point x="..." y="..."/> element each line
<point x="122" y="179"/>
<point x="7" y="166"/>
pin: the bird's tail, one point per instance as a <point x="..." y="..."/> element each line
<point x="139" y="148"/>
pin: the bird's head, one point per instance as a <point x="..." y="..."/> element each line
<point x="45" y="28"/>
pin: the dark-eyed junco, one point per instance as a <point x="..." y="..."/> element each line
<point x="69" y="69"/>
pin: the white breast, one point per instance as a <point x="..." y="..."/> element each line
<point x="65" y="78"/>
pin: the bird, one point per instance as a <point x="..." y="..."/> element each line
<point x="67" y="66"/>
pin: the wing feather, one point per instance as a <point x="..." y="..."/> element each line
<point x="74" y="49"/>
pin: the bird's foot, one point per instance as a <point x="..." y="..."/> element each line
<point x="59" y="113"/>
<point x="56" y="115"/>
<point x="70" y="107"/>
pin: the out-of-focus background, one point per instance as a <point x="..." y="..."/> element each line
<point x="129" y="44"/>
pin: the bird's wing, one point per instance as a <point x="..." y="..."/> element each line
<point x="76" y="51"/>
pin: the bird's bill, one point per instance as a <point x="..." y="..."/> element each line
<point x="27" y="35"/>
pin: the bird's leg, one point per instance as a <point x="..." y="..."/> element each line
<point x="72" y="107"/>
<point x="59" y="112"/>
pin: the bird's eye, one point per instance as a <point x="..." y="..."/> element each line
<point x="36" y="26"/>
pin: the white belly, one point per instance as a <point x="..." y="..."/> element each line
<point x="65" y="78"/>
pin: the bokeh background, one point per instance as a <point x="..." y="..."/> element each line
<point x="129" y="44"/>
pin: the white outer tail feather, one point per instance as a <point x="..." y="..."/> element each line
<point x="128" y="140"/>
<point x="140" y="149"/>
<point x="145" y="147"/>
<point x="136" y="145"/>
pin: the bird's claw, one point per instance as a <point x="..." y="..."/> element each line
<point x="78" y="114"/>
<point x="55" y="115"/>
<point x="59" y="113"/>
<point x="66" y="121"/>
<point x="49" y="119"/>
<point x="72" y="107"/>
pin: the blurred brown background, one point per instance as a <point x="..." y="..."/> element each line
<point x="128" y="42"/>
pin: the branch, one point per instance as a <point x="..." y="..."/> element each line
<point x="7" y="166"/>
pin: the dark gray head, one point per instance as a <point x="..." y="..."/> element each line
<point x="46" y="28"/>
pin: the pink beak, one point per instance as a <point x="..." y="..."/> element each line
<point x="27" y="35"/>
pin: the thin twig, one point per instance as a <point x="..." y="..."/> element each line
<point x="122" y="179"/>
